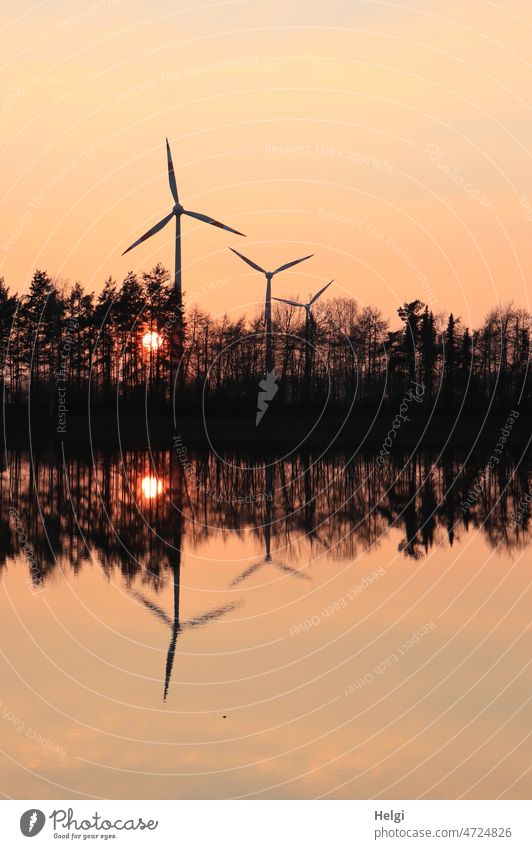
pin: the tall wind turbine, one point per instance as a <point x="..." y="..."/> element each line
<point x="176" y="625"/>
<point x="268" y="303"/>
<point x="177" y="212"/>
<point x="267" y="527"/>
<point x="309" y="331"/>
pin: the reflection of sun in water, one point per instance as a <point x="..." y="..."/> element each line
<point x="151" y="487"/>
<point x="152" y="340"/>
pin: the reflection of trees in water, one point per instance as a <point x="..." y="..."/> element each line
<point x="133" y="511"/>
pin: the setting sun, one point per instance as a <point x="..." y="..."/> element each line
<point x="152" y="341"/>
<point x="151" y="487"/>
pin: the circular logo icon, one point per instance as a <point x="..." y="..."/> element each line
<point x="32" y="822"/>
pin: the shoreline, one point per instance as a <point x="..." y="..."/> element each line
<point x="293" y="433"/>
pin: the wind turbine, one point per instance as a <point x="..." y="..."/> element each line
<point x="176" y="624"/>
<point x="309" y="327"/>
<point x="250" y="570"/>
<point x="176" y="487"/>
<point x="268" y="303"/>
<point x="177" y="212"/>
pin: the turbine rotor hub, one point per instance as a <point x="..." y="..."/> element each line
<point x="178" y="209"/>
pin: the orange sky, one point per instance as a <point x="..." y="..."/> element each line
<point x="391" y="141"/>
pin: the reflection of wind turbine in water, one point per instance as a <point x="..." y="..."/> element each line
<point x="267" y="541"/>
<point x="177" y="212"/>
<point x="176" y="625"/>
<point x="310" y="326"/>
<point x="268" y="302"/>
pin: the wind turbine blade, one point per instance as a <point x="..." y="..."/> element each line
<point x="290" y="264"/>
<point x="209" y="220"/>
<point x="317" y="295"/>
<point x="171" y="175"/>
<point x="249" y="261"/>
<point x="154" y="608"/>
<point x="249" y="571"/>
<point x="151" y="232"/>
<point x="290" y="571"/>
<point x="210" y="615"/>
<point x="285" y="301"/>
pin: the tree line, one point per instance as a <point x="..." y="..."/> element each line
<point x="346" y="356"/>
<point x="64" y="510"/>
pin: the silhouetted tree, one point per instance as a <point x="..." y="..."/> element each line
<point x="411" y="314"/>
<point x="8" y="307"/>
<point x="450" y="357"/>
<point x="428" y="354"/>
<point x="97" y="342"/>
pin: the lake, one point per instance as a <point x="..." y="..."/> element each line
<point x="182" y="624"/>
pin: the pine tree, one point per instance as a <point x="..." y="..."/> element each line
<point x="449" y="361"/>
<point x="428" y="353"/>
<point x="43" y="311"/>
<point x="129" y="318"/>
<point x="104" y="354"/>
<point x="411" y="314"/>
<point x="8" y="307"/>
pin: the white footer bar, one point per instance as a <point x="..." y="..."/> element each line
<point x="268" y="824"/>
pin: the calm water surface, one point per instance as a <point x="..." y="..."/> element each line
<point x="202" y="627"/>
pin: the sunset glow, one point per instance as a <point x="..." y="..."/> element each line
<point x="344" y="130"/>
<point x="152" y="340"/>
<point x="151" y="487"/>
